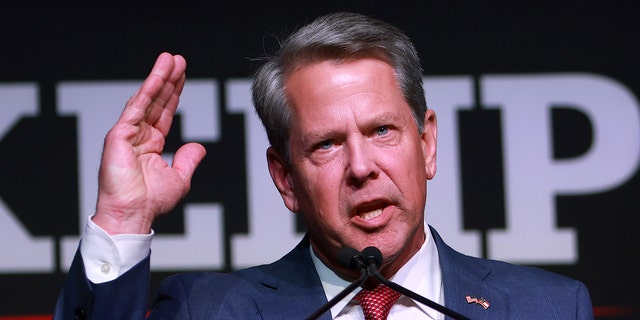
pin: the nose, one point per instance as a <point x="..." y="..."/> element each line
<point x="362" y="164"/>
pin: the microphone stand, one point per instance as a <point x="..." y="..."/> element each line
<point x="325" y="307"/>
<point x="351" y="258"/>
<point x="446" y="311"/>
<point x="372" y="270"/>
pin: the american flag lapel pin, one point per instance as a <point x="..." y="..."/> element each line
<point x="481" y="301"/>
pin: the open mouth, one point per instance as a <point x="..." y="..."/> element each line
<point x="370" y="214"/>
<point x="370" y="210"/>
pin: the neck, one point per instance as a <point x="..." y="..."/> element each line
<point x="390" y="265"/>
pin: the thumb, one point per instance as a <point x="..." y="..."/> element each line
<point x="187" y="159"/>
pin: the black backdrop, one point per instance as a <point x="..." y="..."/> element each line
<point x="49" y="43"/>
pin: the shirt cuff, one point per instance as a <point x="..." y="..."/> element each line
<point x="107" y="257"/>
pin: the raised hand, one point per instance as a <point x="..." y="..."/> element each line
<point x="135" y="183"/>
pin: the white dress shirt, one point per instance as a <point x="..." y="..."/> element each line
<point x="421" y="274"/>
<point x="107" y="257"/>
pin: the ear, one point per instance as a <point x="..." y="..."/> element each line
<point x="429" y="142"/>
<point x="280" y="173"/>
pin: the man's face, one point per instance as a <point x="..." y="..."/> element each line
<point x="358" y="164"/>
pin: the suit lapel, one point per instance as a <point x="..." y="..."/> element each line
<point x="463" y="276"/>
<point x="292" y="288"/>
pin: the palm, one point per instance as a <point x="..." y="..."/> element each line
<point x="136" y="184"/>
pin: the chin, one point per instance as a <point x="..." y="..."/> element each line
<point x="389" y="251"/>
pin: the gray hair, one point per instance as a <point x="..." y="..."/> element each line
<point x="338" y="36"/>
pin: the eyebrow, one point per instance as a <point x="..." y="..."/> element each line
<point x="378" y="120"/>
<point x="314" y="136"/>
<point x="318" y="135"/>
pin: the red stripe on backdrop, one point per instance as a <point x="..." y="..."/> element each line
<point x="600" y="311"/>
<point x="32" y="317"/>
<point x="614" y="311"/>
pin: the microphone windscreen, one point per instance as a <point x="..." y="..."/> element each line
<point x="348" y="257"/>
<point x="373" y="253"/>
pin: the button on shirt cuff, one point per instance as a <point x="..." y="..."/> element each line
<point x="107" y="257"/>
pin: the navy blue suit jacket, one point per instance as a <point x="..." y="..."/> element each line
<point x="290" y="289"/>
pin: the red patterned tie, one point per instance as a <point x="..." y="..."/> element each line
<point x="377" y="303"/>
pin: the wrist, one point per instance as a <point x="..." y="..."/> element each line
<point x="121" y="225"/>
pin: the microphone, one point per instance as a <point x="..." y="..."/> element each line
<point x="352" y="259"/>
<point x="373" y="256"/>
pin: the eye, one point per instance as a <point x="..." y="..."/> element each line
<point x="382" y="130"/>
<point x="327" y="144"/>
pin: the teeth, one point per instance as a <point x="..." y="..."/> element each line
<point x="371" y="214"/>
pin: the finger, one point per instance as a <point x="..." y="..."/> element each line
<point x="171" y="93"/>
<point x="160" y="114"/>
<point x="154" y="91"/>
<point x="179" y="66"/>
<point x="159" y="75"/>
<point x="187" y="159"/>
<point x="163" y="122"/>
<point x="164" y="65"/>
<point x="173" y="83"/>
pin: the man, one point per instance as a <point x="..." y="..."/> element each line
<point x="352" y="147"/>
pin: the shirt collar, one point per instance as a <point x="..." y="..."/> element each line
<point x="421" y="274"/>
